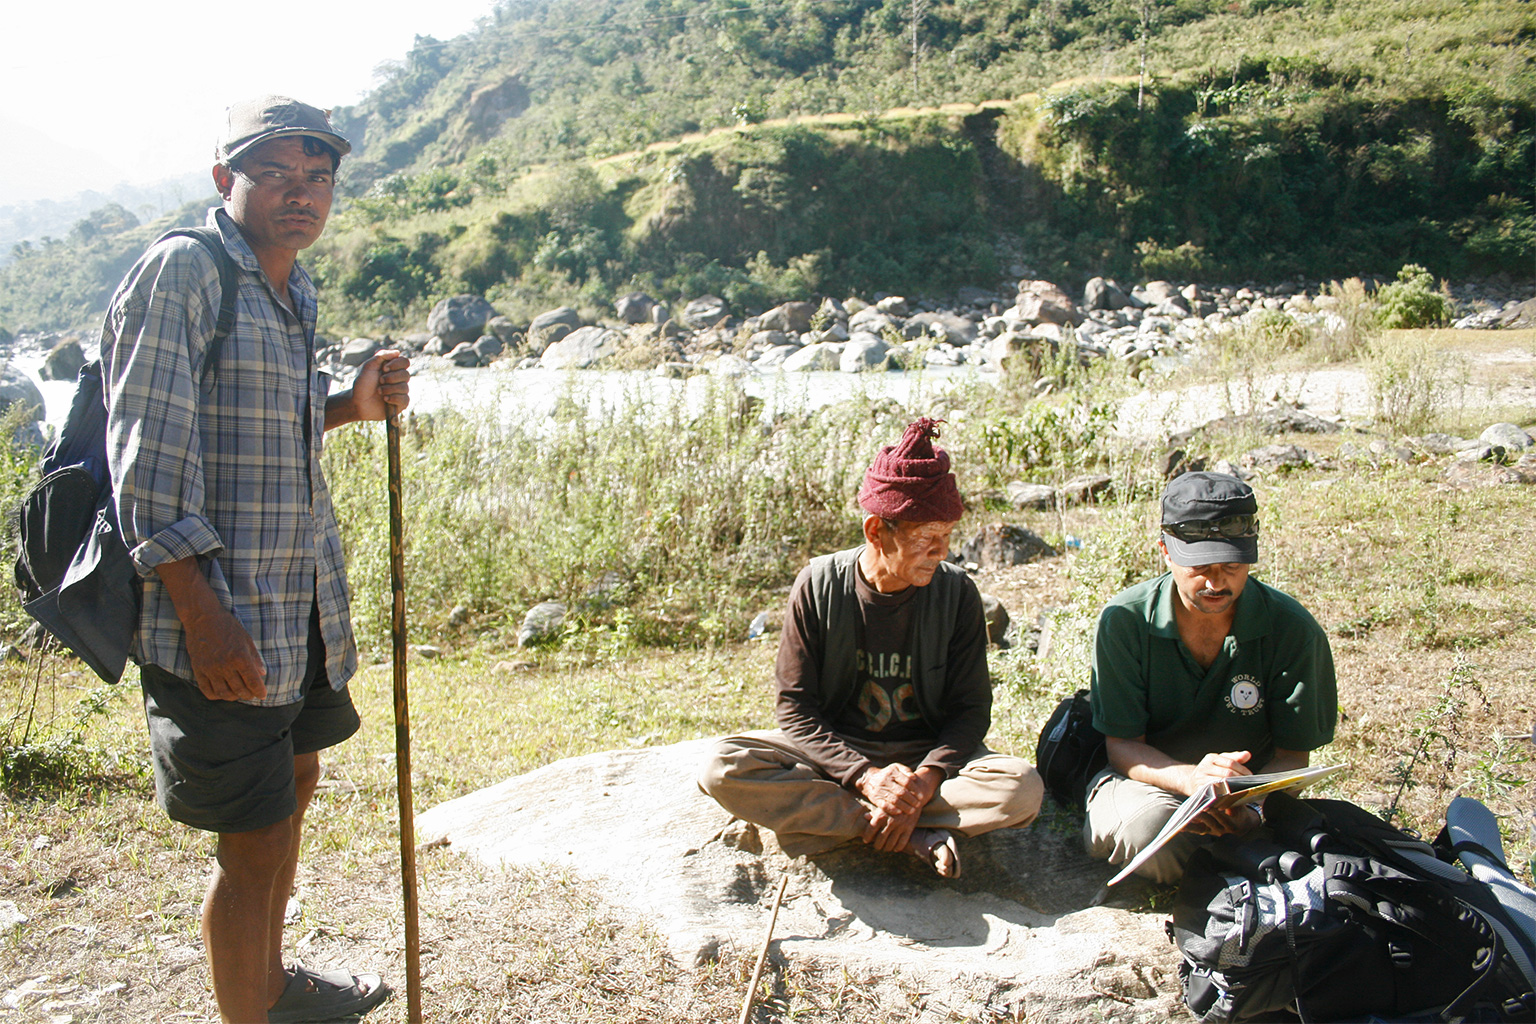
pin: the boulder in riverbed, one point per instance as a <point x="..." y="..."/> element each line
<point x="459" y="318"/>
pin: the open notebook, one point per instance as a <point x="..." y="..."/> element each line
<point x="1216" y="796"/>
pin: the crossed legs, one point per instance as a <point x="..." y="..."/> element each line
<point x="1123" y="818"/>
<point x="762" y="777"/>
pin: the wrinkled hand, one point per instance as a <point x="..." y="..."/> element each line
<point x="1218" y="768"/>
<point x="897" y="796"/>
<point x="896" y="789"/>
<point x="382" y="386"/>
<point x="225" y="662"/>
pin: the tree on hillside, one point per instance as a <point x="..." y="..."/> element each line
<point x="919" y="11"/>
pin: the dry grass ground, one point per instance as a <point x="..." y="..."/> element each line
<point x="1428" y="594"/>
<point x="111" y="890"/>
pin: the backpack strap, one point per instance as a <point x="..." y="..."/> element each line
<point x="229" y="287"/>
<point x="1467" y="845"/>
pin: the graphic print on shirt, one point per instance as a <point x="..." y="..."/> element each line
<point x="1245" y="697"/>
<point x="886" y="696"/>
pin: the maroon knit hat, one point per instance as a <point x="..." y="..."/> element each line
<point x="911" y="481"/>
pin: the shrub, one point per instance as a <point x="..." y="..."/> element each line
<point x="1411" y="301"/>
<point x="1184" y="262"/>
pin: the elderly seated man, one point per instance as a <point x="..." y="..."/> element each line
<point x="883" y="693"/>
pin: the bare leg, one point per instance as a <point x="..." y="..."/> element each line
<point x="243" y="913"/>
<point x="306" y="774"/>
<point x="235" y="913"/>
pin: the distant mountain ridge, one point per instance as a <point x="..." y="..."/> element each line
<point x="55" y="218"/>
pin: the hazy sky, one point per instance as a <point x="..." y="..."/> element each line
<point x="103" y="91"/>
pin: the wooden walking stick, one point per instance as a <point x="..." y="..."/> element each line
<point x="757" y="972"/>
<point x="403" y="725"/>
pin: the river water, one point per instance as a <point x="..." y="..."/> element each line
<point x="532" y="395"/>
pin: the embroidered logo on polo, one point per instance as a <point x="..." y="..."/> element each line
<point x="1245" y="697"/>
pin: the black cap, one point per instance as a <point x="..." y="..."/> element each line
<point x="1209" y="498"/>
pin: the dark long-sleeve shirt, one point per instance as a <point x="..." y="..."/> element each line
<point x="825" y="663"/>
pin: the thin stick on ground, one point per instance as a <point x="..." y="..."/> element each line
<point x="403" y="726"/>
<point x="762" y="956"/>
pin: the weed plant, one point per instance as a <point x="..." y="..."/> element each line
<point x="1245" y="359"/>
<point x="1350" y="325"/>
<point x="56" y="734"/>
<point x="1414" y="382"/>
<point x="1437" y="730"/>
<point x="18" y="472"/>
<point x="1042" y="422"/>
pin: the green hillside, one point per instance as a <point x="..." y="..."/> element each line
<point x="550" y="79"/>
<point x="572" y="150"/>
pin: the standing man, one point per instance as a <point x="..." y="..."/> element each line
<point x="1199" y="675"/>
<point x="245" y="637"/>
<point x="884" y="697"/>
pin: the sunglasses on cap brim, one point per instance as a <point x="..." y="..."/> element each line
<point x="1229" y="528"/>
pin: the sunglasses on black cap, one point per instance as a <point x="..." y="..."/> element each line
<point x="1229" y="528"/>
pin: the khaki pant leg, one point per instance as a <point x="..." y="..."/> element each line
<point x="762" y="778"/>
<point x="1124" y="816"/>
<point x="992" y="791"/>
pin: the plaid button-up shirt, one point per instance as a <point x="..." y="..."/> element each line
<point x="225" y="468"/>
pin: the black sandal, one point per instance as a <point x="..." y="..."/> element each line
<point x="314" y="996"/>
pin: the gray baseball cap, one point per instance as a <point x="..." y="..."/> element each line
<point x="252" y="122"/>
<point x="1209" y="518"/>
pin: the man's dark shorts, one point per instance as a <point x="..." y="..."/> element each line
<point x="224" y="766"/>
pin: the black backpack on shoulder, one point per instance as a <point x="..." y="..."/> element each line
<point x="72" y="568"/>
<point x="1341" y="917"/>
<point x="1070" y="751"/>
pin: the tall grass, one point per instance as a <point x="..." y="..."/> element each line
<point x="1414" y="382"/>
<point x="672" y="514"/>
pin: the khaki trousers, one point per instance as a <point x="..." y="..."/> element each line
<point x="762" y="777"/>
<point x="1124" y="816"/>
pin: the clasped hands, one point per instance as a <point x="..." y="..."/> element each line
<point x="896" y="795"/>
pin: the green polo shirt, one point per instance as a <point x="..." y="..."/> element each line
<point x="1271" y="686"/>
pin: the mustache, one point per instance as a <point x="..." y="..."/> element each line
<point x="1208" y="592"/>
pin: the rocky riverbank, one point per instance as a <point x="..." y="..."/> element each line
<point x="1029" y="322"/>
<point x="1033" y="326"/>
<point x="1030" y="328"/>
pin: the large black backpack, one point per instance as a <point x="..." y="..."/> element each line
<point x="72" y="567"/>
<point x="1342" y="917"/>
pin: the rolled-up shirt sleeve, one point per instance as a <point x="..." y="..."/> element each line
<point x="151" y="352"/>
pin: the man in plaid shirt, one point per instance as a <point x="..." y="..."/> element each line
<point x="245" y="639"/>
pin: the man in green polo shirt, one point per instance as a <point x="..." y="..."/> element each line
<point x="1200" y="674"/>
